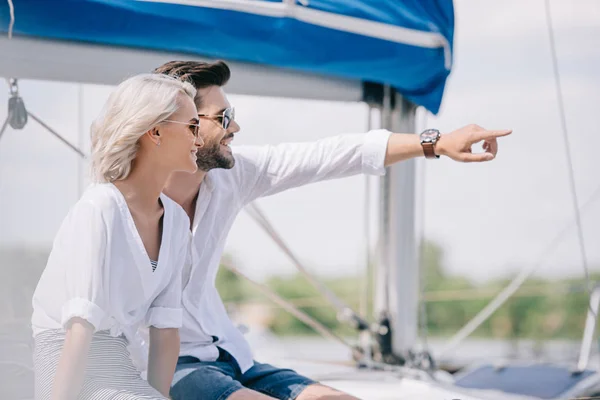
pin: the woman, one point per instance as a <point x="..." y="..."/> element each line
<point x="116" y="261"/>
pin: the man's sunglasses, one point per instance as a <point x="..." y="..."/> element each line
<point x="226" y="118"/>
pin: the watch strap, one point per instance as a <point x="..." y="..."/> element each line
<point x="429" y="150"/>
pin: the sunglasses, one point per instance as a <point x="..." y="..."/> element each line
<point x="194" y="126"/>
<point x="226" y="118"/>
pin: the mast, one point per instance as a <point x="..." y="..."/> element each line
<point x="397" y="274"/>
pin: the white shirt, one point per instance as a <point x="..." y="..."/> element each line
<point x="258" y="172"/>
<point x="99" y="270"/>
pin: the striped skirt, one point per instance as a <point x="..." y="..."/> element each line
<point x="110" y="373"/>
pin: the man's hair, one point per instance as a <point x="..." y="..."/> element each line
<point x="200" y="74"/>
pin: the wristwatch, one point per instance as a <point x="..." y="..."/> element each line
<point x="429" y="138"/>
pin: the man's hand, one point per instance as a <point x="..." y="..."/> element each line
<point x="457" y="144"/>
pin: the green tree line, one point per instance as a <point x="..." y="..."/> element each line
<point x="541" y="309"/>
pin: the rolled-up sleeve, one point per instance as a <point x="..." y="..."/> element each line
<point x="266" y="170"/>
<point x="165" y="311"/>
<point x="83" y="241"/>
<point x="82" y="308"/>
<point x="164" y="317"/>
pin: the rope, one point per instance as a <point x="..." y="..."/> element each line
<point x="344" y="310"/>
<point x="289" y="307"/>
<point x="563" y="121"/>
<point x="12" y="18"/>
<point x="4" y="125"/>
<point x="58" y="136"/>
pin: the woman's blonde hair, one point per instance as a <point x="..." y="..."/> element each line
<point x="136" y="106"/>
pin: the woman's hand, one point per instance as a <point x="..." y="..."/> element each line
<point x="70" y="372"/>
<point x="164" y="352"/>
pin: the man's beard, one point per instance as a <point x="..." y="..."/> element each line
<point x="211" y="157"/>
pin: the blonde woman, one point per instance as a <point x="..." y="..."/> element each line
<point x="116" y="261"/>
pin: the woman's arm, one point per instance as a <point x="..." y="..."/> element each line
<point x="73" y="360"/>
<point x="164" y="352"/>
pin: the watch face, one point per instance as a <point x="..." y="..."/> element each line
<point x="430" y="135"/>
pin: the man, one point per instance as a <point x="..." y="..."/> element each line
<point x="216" y="362"/>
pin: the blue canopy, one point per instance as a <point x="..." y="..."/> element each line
<point x="406" y="44"/>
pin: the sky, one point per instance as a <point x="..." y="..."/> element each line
<point x="491" y="219"/>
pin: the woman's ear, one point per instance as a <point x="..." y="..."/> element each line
<point x="154" y="136"/>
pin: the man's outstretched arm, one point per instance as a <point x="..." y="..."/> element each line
<point x="456" y="145"/>
<point x="266" y="170"/>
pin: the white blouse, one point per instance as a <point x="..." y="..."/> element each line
<point x="100" y="271"/>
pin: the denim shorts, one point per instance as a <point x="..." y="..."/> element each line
<point x="217" y="380"/>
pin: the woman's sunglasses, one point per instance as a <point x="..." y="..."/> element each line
<point x="226" y="118"/>
<point x="194" y="125"/>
